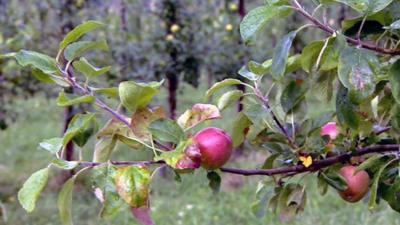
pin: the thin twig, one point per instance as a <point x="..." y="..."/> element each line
<point x="360" y="29"/>
<point x="265" y="102"/>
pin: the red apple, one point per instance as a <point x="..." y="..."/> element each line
<point x="215" y="147"/>
<point x="357" y="184"/>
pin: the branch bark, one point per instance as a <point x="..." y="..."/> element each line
<point x="317" y="165"/>
<point x="289" y="170"/>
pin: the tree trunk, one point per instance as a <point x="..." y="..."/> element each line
<point x="68" y="111"/>
<point x="173" y="83"/>
<point x="68" y="153"/>
<point x="69" y="149"/>
<point x="242" y="13"/>
<point x="210" y="79"/>
<point x="170" y="18"/>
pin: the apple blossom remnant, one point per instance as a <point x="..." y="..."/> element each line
<point x="331" y="130"/>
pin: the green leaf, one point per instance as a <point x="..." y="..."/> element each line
<point x="109" y="92"/>
<point x="78" y="49"/>
<point x="293" y="63"/>
<point x="65" y="165"/>
<point x="394" y="78"/>
<point x="166" y="130"/>
<point x="366" y="6"/>
<point x="322" y="185"/>
<point x="269" y="162"/>
<point x="81" y="127"/>
<point x="52" y="145"/>
<point x="291" y="96"/>
<point x="394" y="26"/>
<point x="244" y="72"/>
<point x="346" y="110"/>
<point x="63" y="101"/>
<point x="219" y="85"/>
<point x="198" y="114"/>
<point x="106" y="192"/>
<point x="335" y="180"/>
<point x="79" y="31"/>
<point x="171" y="158"/>
<point x="281" y="54"/>
<point x="87" y="69"/>
<point x="214" y="181"/>
<point x="64" y="201"/>
<point x="240" y="125"/>
<point x="310" y="53"/>
<point x="229" y="97"/>
<point x="133" y="184"/>
<point x="103" y="149"/>
<point x="135" y="95"/>
<point x="37" y="60"/>
<point x="374" y="186"/>
<point x="260" y="117"/>
<point x="370" y="162"/>
<point x="357" y="69"/>
<point x="259" y="69"/>
<point x="390" y="193"/>
<point x="42" y="77"/>
<point x="30" y="191"/>
<point x="263" y="194"/>
<point x="257" y="18"/>
<point x="395" y="121"/>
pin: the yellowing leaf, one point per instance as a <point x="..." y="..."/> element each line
<point x="142" y="118"/>
<point x="197" y="114"/>
<point x="133" y="183"/>
<point x="307" y="161"/>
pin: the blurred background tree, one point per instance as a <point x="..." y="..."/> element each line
<point x="176" y="40"/>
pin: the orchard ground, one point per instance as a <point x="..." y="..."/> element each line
<point x="189" y="202"/>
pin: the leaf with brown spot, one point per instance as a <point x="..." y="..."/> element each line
<point x="197" y="114"/>
<point x="122" y="132"/>
<point x="142" y="118"/>
<point x="132" y="184"/>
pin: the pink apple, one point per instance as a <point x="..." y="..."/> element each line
<point x="331" y="130"/>
<point x="357" y="184"/>
<point x="215" y="147"/>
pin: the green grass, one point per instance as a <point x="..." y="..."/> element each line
<point x="189" y="202"/>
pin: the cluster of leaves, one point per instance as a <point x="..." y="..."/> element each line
<point x="329" y="80"/>
<point x="116" y="185"/>
<point x="349" y="84"/>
